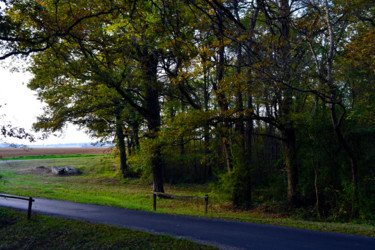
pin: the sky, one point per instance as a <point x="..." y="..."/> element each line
<point x="21" y="107"/>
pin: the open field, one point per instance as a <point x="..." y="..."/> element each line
<point x="18" y="152"/>
<point x="101" y="183"/>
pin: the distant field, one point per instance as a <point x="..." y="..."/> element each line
<point x="18" y="152"/>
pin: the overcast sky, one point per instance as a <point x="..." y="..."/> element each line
<point x="22" y="107"/>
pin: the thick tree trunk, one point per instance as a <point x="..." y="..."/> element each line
<point x="288" y="130"/>
<point x="121" y="144"/>
<point x="157" y="165"/>
<point x="157" y="169"/>
<point x="218" y="87"/>
<point x="291" y="165"/>
<point x="153" y="118"/>
<point x="289" y="147"/>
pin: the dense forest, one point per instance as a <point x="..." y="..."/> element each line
<point x="272" y="101"/>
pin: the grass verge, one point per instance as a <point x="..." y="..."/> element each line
<point x="101" y="183"/>
<point x="43" y="232"/>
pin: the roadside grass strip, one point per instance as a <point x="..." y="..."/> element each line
<point x="44" y="232"/>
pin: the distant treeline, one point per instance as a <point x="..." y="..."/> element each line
<point x="60" y="145"/>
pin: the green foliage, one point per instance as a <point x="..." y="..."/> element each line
<point x="253" y="97"/>
<point x="139" y="163"/>
<point x="367" y="199"/>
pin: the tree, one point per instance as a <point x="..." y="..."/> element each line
<point x="242" y="89"/>
<point x="98" y="56"/>
<point x="10" y="131"/>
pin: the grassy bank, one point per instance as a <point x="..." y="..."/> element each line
<point x="100" y="183"/>
<point x="44" y="232"/>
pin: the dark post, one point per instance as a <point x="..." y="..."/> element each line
<point x="206" y="203"/>
<point x="154" y="206"/>
<point x="29" y="209"/>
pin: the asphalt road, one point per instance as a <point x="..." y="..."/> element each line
<point x="221" y="233"/>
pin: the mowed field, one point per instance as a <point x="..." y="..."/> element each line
<point x="17" y="152"/>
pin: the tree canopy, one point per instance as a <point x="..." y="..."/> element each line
<point x="253" y="95"/>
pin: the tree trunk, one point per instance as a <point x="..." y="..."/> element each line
<point x="288" y="129"/>
<point x="206" y="128"/>
<point x="249" y="123"/>
<point x="335" y="121"/>
<point x="157" y="165"/>
<point x="240" y="127"/>
<point x="315" y="182"/>
<point x="152" y="105"/>
<point x="291" y="165"/>
<point x="352" y="157"/>
<point x="129" y="139"/>
<point x="121" y="143"/>
<point x="223" y="104"/>
<point x="135" y="136"/>
<point x="242" y="189"/>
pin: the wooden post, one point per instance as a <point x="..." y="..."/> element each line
<point x="29" y="209"/>
<point x="206" y="203"/>
<point x="154" y="206"/>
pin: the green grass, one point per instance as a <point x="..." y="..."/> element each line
<point x="32" y="157"/>
<point x="43" y="232"/>
<point x="101" y="183"/>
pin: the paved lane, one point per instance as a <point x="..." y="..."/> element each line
<point x="221" y="233"/>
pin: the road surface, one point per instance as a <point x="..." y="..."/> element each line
<point x="221" y="233"/>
